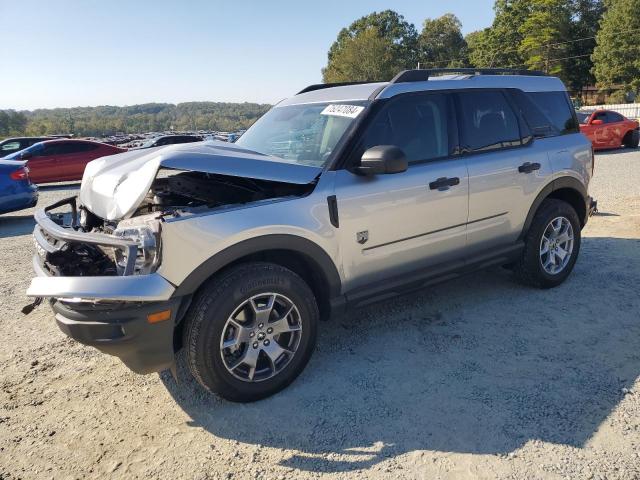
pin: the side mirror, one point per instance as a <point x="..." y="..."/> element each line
<point x="26" y="155"/>
<point x="597" y="122"/>
<point x="383" y="159"/>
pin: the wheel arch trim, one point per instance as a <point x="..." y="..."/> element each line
<point x="564" y="182"/>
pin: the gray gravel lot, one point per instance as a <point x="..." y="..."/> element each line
<point x="477" y="378"/>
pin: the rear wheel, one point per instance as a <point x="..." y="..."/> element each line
<point x="551" y="247"/>
<point x="250" y="332"/>
<point x="631" y="139"/>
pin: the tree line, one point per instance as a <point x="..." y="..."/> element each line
<point x="151" y="117"/>
<point x="584" y="42"/>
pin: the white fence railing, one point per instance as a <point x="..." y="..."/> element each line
<point x="629" y="110"/>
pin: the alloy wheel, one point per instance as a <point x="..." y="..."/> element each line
<point x="261" y="337"/>
<point x="556" y="245"/>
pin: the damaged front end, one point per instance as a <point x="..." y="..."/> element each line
<point x="114" y="227"/>
<point x="98" y="255"/>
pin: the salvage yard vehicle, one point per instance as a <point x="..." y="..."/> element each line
<point x="337" y="197"/>
<point x="62" y="160"/>
<point x="15" y="144"/>
<point x="608" y="129"/>
<point x="170" y="140"/>
<point x="16" y="190"/>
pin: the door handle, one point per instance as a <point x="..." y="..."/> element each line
<point x="443" y="183"/>
<point x="528" y="167"/>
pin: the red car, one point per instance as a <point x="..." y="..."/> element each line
<point x="608" y="129"/>
<point x="61" y="160"/>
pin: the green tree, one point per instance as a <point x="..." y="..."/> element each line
<point x="544" y="32"/>
<point x="365" y="57"/>
<point x="586" y="15"/>
<point x="441" y="43"/>
<point x="505" y="34"/>
<point x="616" y="57"/>
<point x="478" y="51"/>
<point x="385" y="31"/>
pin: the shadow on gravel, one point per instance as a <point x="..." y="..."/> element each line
<point x="15" y="225"/>
<point x="480" y="365"/>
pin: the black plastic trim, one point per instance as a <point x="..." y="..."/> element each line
<point x="307" y="248"/>
<point x="557" y="184"/>
<point x="332" y="203"/>
<point x="321" y="86"/>
<point x="422" y="75"/>
<point x="401" y="284"/>
<point x="122" y="330"/>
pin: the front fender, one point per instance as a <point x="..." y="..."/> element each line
<point x="311" y="251"/>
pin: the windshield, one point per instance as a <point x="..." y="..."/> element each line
<point x="36" y="147"/>
<point x="583" y="117"/>
<point x="305" y="134"/>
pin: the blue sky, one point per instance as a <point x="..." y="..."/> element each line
<point x="67" y="53"/>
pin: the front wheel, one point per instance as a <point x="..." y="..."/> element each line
<point x="250" y="332"/>
<point x="552" y="244"/>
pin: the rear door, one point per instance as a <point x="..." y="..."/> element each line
<point x="617" y="128"/>
<point x="601" y="134"/>
<point x="75" y="158"/>
<point x="43" y="164"/>
<point x="506" y="168"/>
<point x="391" y="225"/>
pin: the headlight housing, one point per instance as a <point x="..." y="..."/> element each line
<point x="147" y="236"/>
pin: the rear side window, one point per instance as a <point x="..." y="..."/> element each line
<point x="11" y="146"/>
<point x="420" y="125"/>
<point x="488" y="122"/>
<point x="583" y="117"/>
<point x="613" y="117"/>
<point x="556" y="109"/>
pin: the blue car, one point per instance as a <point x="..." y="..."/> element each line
<point x="16" y="190"/>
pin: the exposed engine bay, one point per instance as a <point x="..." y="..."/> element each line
<point x="183" y="191"/>
<point x="173" y="194"/>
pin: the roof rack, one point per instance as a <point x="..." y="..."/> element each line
<point x="422" y="75"/>
<point x="320" y="86"/>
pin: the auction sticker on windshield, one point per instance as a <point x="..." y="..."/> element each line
<point x="351" y="111"/>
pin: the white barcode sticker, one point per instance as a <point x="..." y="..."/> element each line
<point x="351" y="111"/>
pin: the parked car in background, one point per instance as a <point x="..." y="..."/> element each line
<point x="12" y="145"/>
<point x="16" y="190"/>
<point x="62" y="160"/>
<point x="170" y="140"/>
<point x="608" y="129"/>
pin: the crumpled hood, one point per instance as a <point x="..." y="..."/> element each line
<point x="113" y="187"/>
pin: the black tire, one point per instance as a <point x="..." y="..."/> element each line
<point x="631" y="139"/>
<point x="217" y="301"/>
<point x="529" y="268"/>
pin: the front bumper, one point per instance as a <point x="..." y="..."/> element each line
<point x="123" y="331"/>
<point x="107" y="312"/>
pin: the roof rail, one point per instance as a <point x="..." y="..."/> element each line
<point x="320" y="86"/>
<point x="422" y="75"/>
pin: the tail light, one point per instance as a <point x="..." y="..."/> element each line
<point x="20" y="174"/>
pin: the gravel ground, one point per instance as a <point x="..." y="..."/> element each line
<point x="477" y="378"/>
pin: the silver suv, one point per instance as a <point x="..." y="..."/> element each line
<point x="339" y="196"/>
